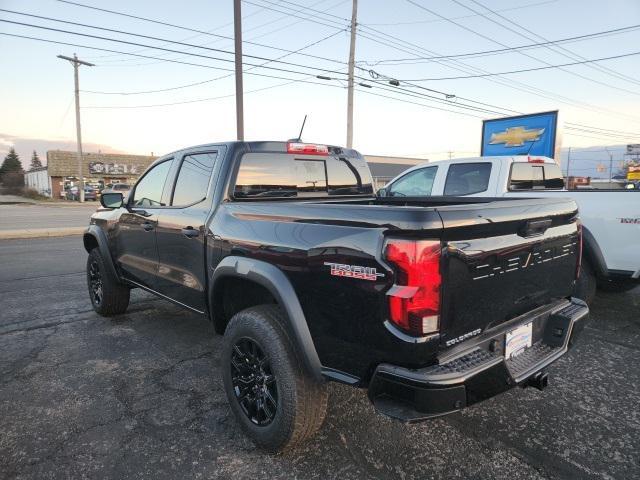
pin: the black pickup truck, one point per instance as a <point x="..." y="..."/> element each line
<point x="430" y="304"/>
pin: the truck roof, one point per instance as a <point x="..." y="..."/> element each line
<point x="503" y="159"/>
<point x="271" y="146"/>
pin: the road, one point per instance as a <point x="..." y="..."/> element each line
<point x="140" y="396"/>
<point x="28" y="216"/>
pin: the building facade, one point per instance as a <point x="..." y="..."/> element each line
<point x="99" y="170"/>
<point x="38" y="180"/>
<point x="385" y="169"/>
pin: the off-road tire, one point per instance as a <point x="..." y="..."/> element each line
<point x="585" y="288"/>
<point x="114" y="297"/>
<point x="301" y="399"/>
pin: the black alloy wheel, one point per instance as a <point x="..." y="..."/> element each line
<point x="254" y="383"/>
<point x="95" y="283"/>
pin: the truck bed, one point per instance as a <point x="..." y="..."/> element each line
<point x="493" y="268"/>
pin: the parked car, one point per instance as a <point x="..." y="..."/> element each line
<point x="90" y="193"/>
<point x="430" y="304"/>
<point x="610" y="218"/>
<point x="123" y="188"/>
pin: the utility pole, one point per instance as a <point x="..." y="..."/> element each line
<point x="237" y="30"/>
<point x="568" y="166"/>
<point x="610" y="166"/>
<point x="350" y="82"/>
<point x="76" y="63"/>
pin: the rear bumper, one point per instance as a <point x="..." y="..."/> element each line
<point x="478" y="372"/>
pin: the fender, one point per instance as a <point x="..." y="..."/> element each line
<point x="101" y="239"/>
<point x="274" y="280"/>
<point x="591" y="250"/>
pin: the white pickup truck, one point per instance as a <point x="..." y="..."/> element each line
<point x="610" y="218"/>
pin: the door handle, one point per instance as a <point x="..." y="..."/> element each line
<point x="190" y="232"/>
<point x="148" y="226"/>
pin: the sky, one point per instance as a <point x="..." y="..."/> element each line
<point x="394" y="37"/>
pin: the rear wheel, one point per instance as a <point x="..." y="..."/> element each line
<point x="108" y="296"/>
<point x="277" y="403"/>
<point x="585" y="288"/>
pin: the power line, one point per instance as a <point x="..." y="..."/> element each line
<point x="605" y="129"/>
<point x="498" y="51"/>
<point x="98" y="37"/>
<point x="219" y="27"/>
<point x="519" y="33"/>
<point x="181" y="27"/>
<point x="517" y="85"/>
<point x="572" y="55"/>
<point x="532" y="69"/>
<point x="209" y="66"/>
<point x="198" y="55"/>
<point x="138" y="35"/>
<point x="462" y="17"/>
<point x="148" y="56"/>
<point x="506" y="82"/>
<point x="491" y="39"/>
<point x="211" y="79"/>
<point x="249" y="41"/>
<point x="199" y="100"/>
<point x="454" y="105"/>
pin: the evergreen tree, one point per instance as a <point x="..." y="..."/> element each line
<point x="11" y="164"/>
<point x="35" y="161"/>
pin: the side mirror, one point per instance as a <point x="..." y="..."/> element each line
<point x="382" y="192"/>
<point x="112" y="200"/>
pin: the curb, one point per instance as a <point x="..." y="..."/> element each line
<point x="40" y="232"/>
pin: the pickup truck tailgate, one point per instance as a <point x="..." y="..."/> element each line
<point x="499" y="262"/>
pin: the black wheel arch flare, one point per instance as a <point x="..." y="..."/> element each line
<point x="274" y="280"/>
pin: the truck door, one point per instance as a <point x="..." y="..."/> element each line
<point x="136" y="237"/>
<point x="181" y="231"/>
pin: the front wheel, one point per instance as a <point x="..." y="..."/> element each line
<point x="108" y="296"/>
<point x="277" y="403"/>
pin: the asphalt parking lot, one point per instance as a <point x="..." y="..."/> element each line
<point x="140" y="396"/>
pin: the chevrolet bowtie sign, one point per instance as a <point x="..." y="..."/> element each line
<point x="516" y="136"/>
<point x="533" y="134"/>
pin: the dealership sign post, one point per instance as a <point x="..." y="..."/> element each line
<point x="534" y="134"/>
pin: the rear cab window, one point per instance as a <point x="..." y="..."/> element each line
<point x="282" y="175"/>
<point x="535" y="176"/>
<point x="467" y="178"/>
<point x="417" y="183"/>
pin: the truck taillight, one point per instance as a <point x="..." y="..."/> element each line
<point x="535" y="160"/>
<point x="414" y="300"/>
<point x="307" y="148"/>
<point x="580" y="241"/>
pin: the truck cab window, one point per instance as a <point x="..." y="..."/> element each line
<point x="349" y="176"/>
<point x="148" y="192"/>
<point x="418" y="183"/>
<point x="467" y="178"/>
<point x="525" y="176"/>
<point x="193" y="178"/>
<point x="280" y="175"/>
<point x="553" y="179"/>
